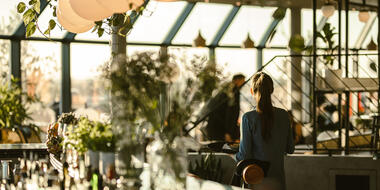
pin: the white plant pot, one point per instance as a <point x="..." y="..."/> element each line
<point x="107" y="159"/>
<point x="333" y="79"/>
<point x="92" y="159"/>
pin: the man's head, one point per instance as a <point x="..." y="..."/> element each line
<point x="238" y="80"/>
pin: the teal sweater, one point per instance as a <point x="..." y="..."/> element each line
<point x="252" y="145"/>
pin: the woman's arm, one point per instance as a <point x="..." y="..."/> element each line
<point x="245" y="148"/>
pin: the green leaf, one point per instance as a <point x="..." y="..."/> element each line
<point x="30" y="29"/>
<point x="37" y="6"/>
<point x="32" y="2"/>
<point x="21" y="7"/>
<point x="51" y="24"/>
<point x="28" y="16"/>
<point x="100" y="32"/>
<point x="47" y="31"/>
<point x="54" y="11"/>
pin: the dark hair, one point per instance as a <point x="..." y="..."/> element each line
<point x="238" y="76"/>
<point x="262" y="85"/>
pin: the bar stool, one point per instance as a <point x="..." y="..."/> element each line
<point x="251" y="171"/>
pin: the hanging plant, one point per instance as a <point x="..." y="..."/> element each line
<point x="279" y="13"/>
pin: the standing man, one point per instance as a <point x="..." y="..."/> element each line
<point x="223" y="112"/>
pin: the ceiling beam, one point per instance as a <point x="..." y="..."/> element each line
<point x="177" y="26"/>
<point x="225" y="26"/>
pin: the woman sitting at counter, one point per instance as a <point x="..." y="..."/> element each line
<point x="266" y="132"/>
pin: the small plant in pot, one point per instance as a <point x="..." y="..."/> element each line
<point x="93" y="139"/>
<point x="332" y="76"/>
<point x="13" y="112"/>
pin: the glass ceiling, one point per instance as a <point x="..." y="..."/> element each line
<point x="155" y="24"/>
<point x="204" y="20"/>
<point x="250" y="19"/>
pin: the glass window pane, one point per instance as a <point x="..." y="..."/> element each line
<point x="4" y="58"/>
<point x="282" y="35"/>
<point x="239" y="61"/>
<point x="355" y="26"/>
<point x="235" y="61"/>
<point x="40" y="65"/>
<point x="372" y="35"/>
<point x="9" y="18"/>
<point x="206" y="18"/>
<point x="250" y="19"/>
<point x="135" y="49"/>
<point x="278" y="69"/>
<point x="89" y="97"/>
<point x="156" y="22"/>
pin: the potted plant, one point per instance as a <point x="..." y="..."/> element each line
<point x="93" y="139"/>
<point x="332" y="76"/>
<point x="13" y="112"/>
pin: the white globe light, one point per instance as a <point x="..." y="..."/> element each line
<point x="69" y="14"/>
<point x="363" y="16"/>
<point x="71" y="27"/>
<point x="328" y="10"/>
<point x="90" y="9"/>
<point x="116" y="6"/>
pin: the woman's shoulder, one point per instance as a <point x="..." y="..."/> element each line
<point x="250" y="114"/>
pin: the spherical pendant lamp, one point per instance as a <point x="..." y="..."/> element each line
<point x="363" y="16"/>
<point x="90" y="9"/>
<point x="68" y="13"/>
<point x="116" y="6"/>
<point x="328" y="10"/>
<point x="67" y="25"/>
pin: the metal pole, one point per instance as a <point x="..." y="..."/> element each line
<point x="347" y="94"/>
<point x="15" y="63"/>
<point x="259" y="62"/>
<point x="296" y="76"/>
<point x="340" y="67"/>
<point x="315" y="127"/>
<point x="65" y="103"/>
